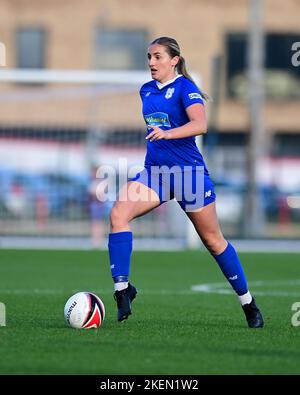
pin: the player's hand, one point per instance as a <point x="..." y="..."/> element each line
<point x="158" y="134"/>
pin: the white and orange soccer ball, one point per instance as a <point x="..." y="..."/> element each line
<point x="84" y="310"/>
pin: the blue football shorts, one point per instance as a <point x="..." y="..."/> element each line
<point x="190" y="186"/>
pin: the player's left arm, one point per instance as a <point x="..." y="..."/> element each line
<point x="197" y="125"/>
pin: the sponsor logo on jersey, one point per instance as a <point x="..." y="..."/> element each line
<point x="169" y="93"/>
<point x="158" y="119"/>
<point x="195" y="96"/>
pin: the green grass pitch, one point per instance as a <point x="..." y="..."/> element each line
<point x="173" y="329"/>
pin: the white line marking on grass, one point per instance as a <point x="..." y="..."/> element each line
<point x="100" y="292"/>
<point x="42" y="291"/>
<point x="225" y="289"/>
<point x="215" y="288"/>
<point x="30" y="291"/>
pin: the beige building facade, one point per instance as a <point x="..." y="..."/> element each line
<point x="72" y="39"/>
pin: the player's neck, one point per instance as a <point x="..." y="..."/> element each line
<point x="168" y="78"/>
<point x="167" y="81"/>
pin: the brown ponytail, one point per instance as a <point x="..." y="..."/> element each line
<point x="173" y="49"/>
<point x="181" y="69"/>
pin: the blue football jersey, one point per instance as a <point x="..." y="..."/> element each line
<point x="164" y="105"/>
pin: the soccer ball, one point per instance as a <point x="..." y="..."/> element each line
<point x="84" y="310"/>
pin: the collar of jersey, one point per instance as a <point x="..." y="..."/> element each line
<point x="160" y="85"/>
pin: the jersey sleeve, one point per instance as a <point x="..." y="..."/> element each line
<point x="141" y="92"/>
<point x="191" y="94"/>
<point x="145" y="88"/>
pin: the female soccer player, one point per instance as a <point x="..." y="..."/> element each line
<point x="173" y="109"/>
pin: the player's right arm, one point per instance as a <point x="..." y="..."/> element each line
<point x="197" y="125"/>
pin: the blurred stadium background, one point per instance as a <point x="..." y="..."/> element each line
<point x="69" y="103"/>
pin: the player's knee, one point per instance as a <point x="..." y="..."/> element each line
<point x="214" y="243"/>
<point x="117" y="217"/>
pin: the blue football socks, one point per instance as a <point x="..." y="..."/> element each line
<point x="120" y="248"/>
<point x="232" y="269"/>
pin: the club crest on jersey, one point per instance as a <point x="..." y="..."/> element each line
<point x="169" y="93"/>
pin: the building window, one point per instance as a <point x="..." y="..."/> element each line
<point x="282" y="79"/>
<point x="121" y="49"/>
<point x="30" y="46"/>
<point x="286" y="144"/>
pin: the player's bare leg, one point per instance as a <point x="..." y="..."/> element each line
<point x="135" y="199"/>
<point x="126" y="208"/>
<point x="207" y="226"/>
